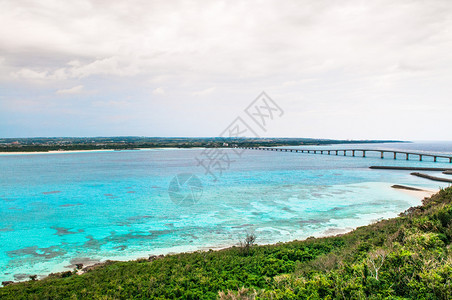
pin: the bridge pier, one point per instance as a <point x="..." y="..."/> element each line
<point x="364" y="153"/>
<point x="329" y="152"/>
<point x="382" y="155"/>
<point x="337" y="152"/>
<point x="395" y="155"/>
<point x="434" y="158"/>
<point x="353" y="153"/>
<point x="407" y="156"/>
<point x="420" y="157"/>
<point x="345" y="152"/>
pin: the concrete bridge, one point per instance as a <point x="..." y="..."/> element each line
<point x="357" y="152"/>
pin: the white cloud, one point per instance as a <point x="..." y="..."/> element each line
<point x="158" y="91"/>
<point x="230" y="38"/>
<point x="29" y="74"/>
<point x="322" y="54"/>
<point x="204" y="92"/>
<point x="74" y="90"/>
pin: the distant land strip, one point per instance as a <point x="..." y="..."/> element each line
<point x="431" y="177"/>
<point x="128" y="143"/>
<point x="409" y="188"/>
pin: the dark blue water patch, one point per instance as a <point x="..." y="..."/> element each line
<point x="134" y="220"/>
<point x="191" y="235"/>
<point x="35" y="251"/>
<point x="70" y="204"/>
<point x="121" y="239"/>
<point x="339" y="192"/>
<point x="92" y="243"/>
<point x="15" y="208"/>
<point x="65" y="231"/>
<point x="138" y="218"/>
<point x="51" y="192"/>
<point x="318" y="195"/>
<point x="288" y="210"/>
<point x="8" y="199"/>
<point x="120" y="247"/>
<point x="156" y="233"/>
<point x="21" y="276"/>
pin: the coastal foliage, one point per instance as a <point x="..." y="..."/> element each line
<point x="402" y="258"/>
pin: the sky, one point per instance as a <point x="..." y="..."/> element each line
<point x="337" y="69"/>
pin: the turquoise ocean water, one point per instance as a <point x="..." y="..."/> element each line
<point x="60" y="209"/>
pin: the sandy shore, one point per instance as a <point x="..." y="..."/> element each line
<point x="55" y="152"/>
<point x="94" y="150"/>
<point x="420" y="193"/>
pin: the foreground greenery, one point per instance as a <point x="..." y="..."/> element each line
<point x="403" y="258"/>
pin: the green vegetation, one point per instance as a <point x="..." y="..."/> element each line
<point x="130" y="142"/>
<point x="408" y="257"/>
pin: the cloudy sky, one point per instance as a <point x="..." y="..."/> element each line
<point x="339" y="69"/>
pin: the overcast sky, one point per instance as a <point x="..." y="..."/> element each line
<point x="338" y="69"/>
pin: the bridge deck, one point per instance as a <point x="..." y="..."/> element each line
<point x="407" y="154"/>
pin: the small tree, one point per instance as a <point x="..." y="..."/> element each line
<point x="376" y="260"/>
<point x="241" y="294"/>
<point x="247" y="243"/>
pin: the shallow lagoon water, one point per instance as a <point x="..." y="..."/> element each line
<point x="64" y="208"/>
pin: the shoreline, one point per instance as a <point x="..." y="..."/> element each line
<point x="419" y="193"/>
<point x="55" y="152"/>
<point x="416" y="192"/>
<point x="93" y="262"/>
<point x="93" y="150"/>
